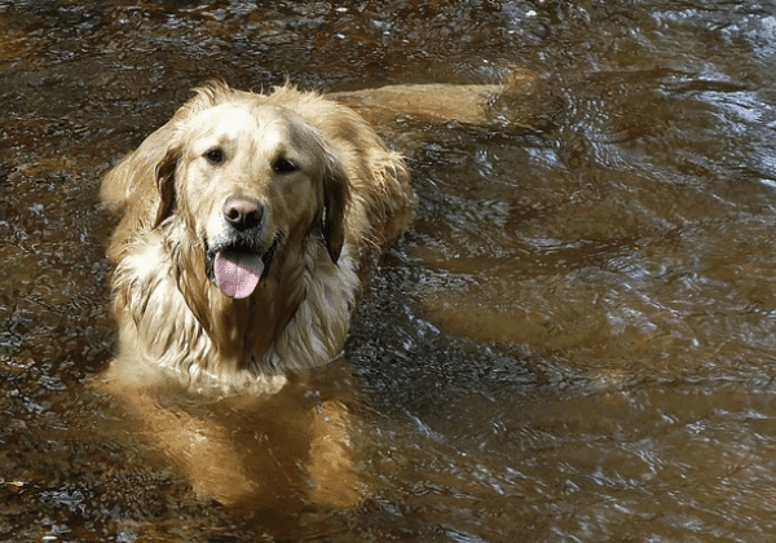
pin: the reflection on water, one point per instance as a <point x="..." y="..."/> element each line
<point x="280" y="457"/>
<point x="574" y="342"/>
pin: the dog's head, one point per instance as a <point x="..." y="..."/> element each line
<point x="251" y="180"/>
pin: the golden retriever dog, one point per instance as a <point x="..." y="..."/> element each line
<point x="245" y="219"/>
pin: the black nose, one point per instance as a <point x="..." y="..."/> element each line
<point x="242" y="213"/>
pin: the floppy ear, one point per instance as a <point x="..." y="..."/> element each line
<point x="336" y="195"/>
<point x="165" y="184"/>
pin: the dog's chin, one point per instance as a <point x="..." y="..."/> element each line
<point x="236" y="268"/>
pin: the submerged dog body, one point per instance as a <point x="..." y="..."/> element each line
<point x="245" y="219"/>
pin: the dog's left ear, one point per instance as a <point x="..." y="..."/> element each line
<point x="165" y="184"/>
<point x="336" y="195"/>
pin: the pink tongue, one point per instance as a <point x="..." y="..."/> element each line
<point x="237" y="274"/>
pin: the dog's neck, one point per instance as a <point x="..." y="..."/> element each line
<point x="244" y="330"/>
<point x="297" y="317"/>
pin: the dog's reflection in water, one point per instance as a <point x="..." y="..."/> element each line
<point x="275" y="453"/>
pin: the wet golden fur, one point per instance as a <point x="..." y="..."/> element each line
<point x="348" y="194"/>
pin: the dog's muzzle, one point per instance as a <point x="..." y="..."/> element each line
<point x="237" y="261"/>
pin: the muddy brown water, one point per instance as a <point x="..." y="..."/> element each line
<point x="575" y="341"/>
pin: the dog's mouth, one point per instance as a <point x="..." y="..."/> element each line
<point x="236" y="268"/>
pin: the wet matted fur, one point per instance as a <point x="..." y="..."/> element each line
<point x="244" y="220"/>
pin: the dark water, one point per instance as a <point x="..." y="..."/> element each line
<point x="575" y="341"/>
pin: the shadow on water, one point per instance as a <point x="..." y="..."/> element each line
<point x="574" y="342"/>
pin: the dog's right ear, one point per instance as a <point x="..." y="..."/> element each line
<point x="165" y="184"/>
<point x="336" y="196"/>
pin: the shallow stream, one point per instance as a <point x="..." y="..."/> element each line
<point x="575" y="341"/>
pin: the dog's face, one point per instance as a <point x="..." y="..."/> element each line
<point x="250" y="181"/>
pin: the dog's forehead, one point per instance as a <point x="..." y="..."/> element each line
<point x="240" y="119"/>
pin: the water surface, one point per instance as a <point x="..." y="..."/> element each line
<point x="574" y="341"/>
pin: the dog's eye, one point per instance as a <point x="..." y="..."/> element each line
<point x="215" y="156"/>
<point x="283" y="165"/>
